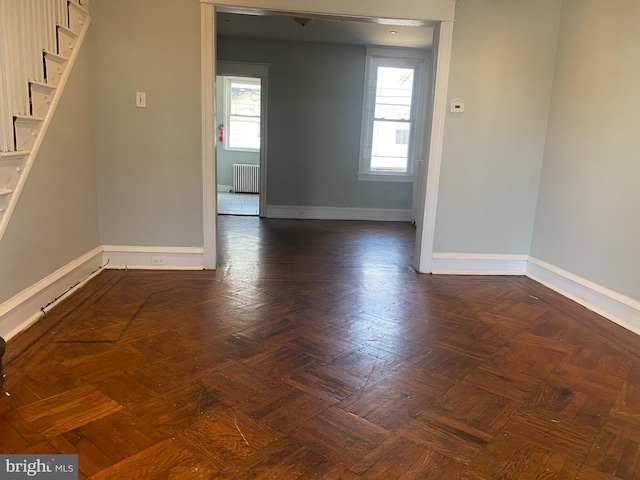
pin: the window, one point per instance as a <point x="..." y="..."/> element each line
<point x="242" y="113"/>
<point x="390" y="114"/>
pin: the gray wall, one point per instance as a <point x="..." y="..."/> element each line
<point x="588" y="216"/>
<point x="226" y="158"/>
<point x="502" y="67"/>
<point x="149" y="160"/>
<point x="314" y="121"/>
<point x="56" y="218"/>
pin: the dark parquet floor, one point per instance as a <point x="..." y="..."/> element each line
<point x="315" y="351"/>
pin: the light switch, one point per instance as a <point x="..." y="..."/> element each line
<point x="141" y="99"/>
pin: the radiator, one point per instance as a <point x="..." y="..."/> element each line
<point x="246" y="178"/>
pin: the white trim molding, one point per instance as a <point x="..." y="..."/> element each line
<point x="428" y="183"/>
<point x="209" y="130"/>
<point x="26" y="308"/>
<point x="153" y="258"/>
<point x="616" y="307"/>
<point x="339" y="213"/>
<point x="412" y="12"/>
<point x="478" y="264"/>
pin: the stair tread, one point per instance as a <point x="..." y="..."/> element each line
<point x="67" y="31"/>
<point x="15" y="154"/>
<point x="55" y="56"/>
<point x="43" y="85"/>
<point x="28" y="118"/>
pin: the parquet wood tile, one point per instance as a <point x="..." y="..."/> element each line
<point x="341" y="436"/>
<point x="478" y="405"/>
<point x="543" y="429"/>
<point x="531" y="360"/>
<point x="93" y="461"/>
<point x="452" y="365"/>
<point x="367" y="363"/>
<point x="131" y="387"/>
<point x="315" y="351"/>
<point x="615" y="455"/>
<point x="431" y="465"/>
<point x="94" y="367"/>
<point x="68" y="411"/>
<point x="285" y="410"/>
<point x="623" y="424"/>
<point x="503" y="381"/>
<point x="384" y="406"/>
<point x="398" y="457"/>
<point x="455" y="437"/>
<point x="163" y="460"/>
<point x="224" y="437"/>
<point x="15" y="437"/>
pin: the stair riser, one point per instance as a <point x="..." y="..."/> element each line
<point x="54" y="68"/>
<point x="77" y="18"/>
<point x="10" y="174"/>
<point x="4" y="204"/>
<point x="26" y="134"/>
<point x="66" y="42"/>
<point x="40" y="102"/>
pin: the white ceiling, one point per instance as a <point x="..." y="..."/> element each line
<point x="279" y="27"/>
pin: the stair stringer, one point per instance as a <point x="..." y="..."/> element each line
<point x="33" y="153"/>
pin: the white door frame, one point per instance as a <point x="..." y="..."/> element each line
<point x="440" y="12"/>
<point x="429" y="178"/>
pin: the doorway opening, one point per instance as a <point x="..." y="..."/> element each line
<point x="238" y="169"/>
<point x="441" y="18"/>
<point x="241" y="154"/>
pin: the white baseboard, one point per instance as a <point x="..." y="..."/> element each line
<point x="24" y="309"/>
<point x="339" y="213"/>
<point x="616" y="307"/>
<point x="478" y="264"/>
<point x="225" y="188"/>
<point x="154" y="258"/>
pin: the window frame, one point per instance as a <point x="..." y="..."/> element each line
<point x="228" y="80"/>
<point x="400" y="58"/>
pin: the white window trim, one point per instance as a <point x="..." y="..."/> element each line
<point x="396" y="58"/>
<point x="226" y="108"/>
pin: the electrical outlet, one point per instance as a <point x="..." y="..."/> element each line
<point x="158" y="260"/>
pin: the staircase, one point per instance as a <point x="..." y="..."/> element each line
<point x="39" y="41"/>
